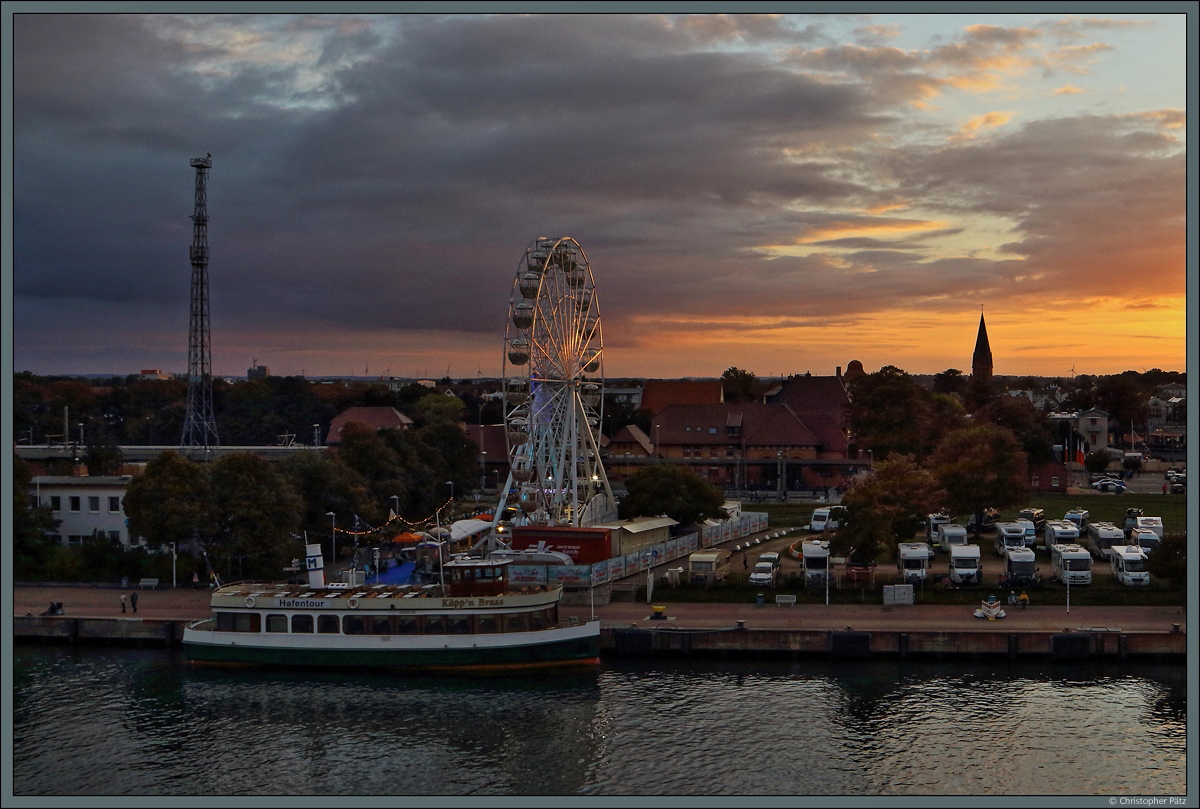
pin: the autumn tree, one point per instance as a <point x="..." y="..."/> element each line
<point x="1018" y="415"/>
<point x="889" y="412"/>
<point x="981" y="467"/>
<point x="890" y="503"/>
<point x="679" y="493"/>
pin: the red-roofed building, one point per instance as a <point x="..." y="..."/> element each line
<point x="658" y="393"/>
<point x="375" y="418"/>
<point x="493" y="452"/>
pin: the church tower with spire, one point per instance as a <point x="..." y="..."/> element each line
<point x="981" y="360"/>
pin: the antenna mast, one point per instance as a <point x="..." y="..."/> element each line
<point x="200" y="427"/>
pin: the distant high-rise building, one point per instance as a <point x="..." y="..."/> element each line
<point x="981" y="360"/>
<point x="258" y="372"/>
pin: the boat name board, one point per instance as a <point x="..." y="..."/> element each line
<point x="301" y="602"/>
<point x="460" y="603"/>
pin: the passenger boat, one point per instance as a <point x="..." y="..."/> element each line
<point x="477" y="621"/>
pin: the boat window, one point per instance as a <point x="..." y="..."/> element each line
<point x="485" y="573"/>
<point x="328" y="625"/>
<point x="354" y="625"/>
<point x="486" y="623"/>
<point x="381" y="625"/>
<point x="537" y="620"/>
<point x="239" y="622"/>
<point x="460" y="625"/>
<point x="406" y="626"/>
<point x="434" y="625"/>
<point x="302" y="623"/>
<point x="456" y="575"/>
<point x="277" y="623"/>
<point x="515" y="622"/>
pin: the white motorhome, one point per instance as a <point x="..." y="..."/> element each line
<point x="1009" y="535"/>
<point x="826" y="518"/>
<point x="932" y="522"/>
<point x="1080" y="517"/>
<point x="1071" y="562"/>
<point x="1101" y="536"/>
<point x="1030" y="530"/>
<point x="1060" y="532"/>
<point x="949" y="535"/>
<point x="1145" y="539"/>
<point x="1150" y="524"/>
<point x="814" y="557"/>
<point x="966" y="564"/>
<point x="1128" y="564"/>
<point x="912" y="561"/>
<point x="1020" y="568"/>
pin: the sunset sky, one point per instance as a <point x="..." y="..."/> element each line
<point x="780" y="193"/>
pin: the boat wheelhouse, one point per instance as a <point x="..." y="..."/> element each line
<point x="476" y="619"/>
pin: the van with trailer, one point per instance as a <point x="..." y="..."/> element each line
<point x="1060" y="532"/>
<point x="826" y="518"/>
<point x="912" y="561"/>
<point x="814" y="558"/>
<point x="949" y="535"/>
<point x="932" y="521"/>
<point x="1070" y="563"/>
<point x="1080" y="517"/>
<point x="1020" y="569"/>
<point x="706" y="568"/>
<point x="1101" y="536"/>
<point x="1145" y="539"/>
<point x="1009" y="535"/>
<point x="1128" y="563"/>
<point x="966" y="564"/>
<point x="1030" y="533"/>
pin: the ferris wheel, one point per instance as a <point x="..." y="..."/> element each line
<point x="553" y="389"/>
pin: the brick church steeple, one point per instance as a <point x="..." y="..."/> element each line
<point x="981" y="360"/>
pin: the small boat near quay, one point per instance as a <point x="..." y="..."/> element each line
<point x="476" y="620"/>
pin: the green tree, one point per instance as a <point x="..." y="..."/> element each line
<point x="950" y="380"/>
<point x="324" y="484"/>
<point x="1169" y="560"/>
<point x="740" y="385"/>
<point x="170" y="501"/>
<point x="1124" y="400"/>
<point x="891" y="503"/>
<point x="981" y="467"/>
<point x="1096" y="461"/>
<point x="437" y="408"/>
<point x="1018" y="415"/>
<point x="679" y="493"/>
<point x="889" y="412"/>
<point x="34" y="526"/>
<point x="256" y="514"/>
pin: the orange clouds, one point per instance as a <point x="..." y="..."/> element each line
<point x="989" y="120"/>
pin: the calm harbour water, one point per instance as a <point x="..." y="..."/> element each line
<point x="141" y="722"/>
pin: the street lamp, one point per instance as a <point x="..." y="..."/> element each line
<point x="173" y="556"/>
<point x="395" y="498"/>
<point x="333" y="534"/>
<point x="450" y="483"/>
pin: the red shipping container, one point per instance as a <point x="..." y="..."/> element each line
<point x="586" y="546"/>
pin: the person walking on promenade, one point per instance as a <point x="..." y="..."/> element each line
<point x="133" y="601"/>
<point x="122" y="602"/>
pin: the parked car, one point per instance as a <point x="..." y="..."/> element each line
<point x="991" y="516"/>
<point x="763" y="575"/>
<point x="769" y="556"/>
<point x="1110" y="485"/>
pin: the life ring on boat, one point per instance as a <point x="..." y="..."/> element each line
<point x="249" y="601"/>
<point x="353" y="603"/>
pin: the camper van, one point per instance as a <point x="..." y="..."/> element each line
<point x="1020" y="569"/>
<point x="949" y="535"/>
<point x="1030" y="531"/>
<point x="966" y="564"/>
<point x="1101" y="536"/>
<point x="1036" y="516"/>
<point x="1145" y="539"/>
<point x="814" y="556"/>
<point x="912" y="561"/>
<point x="1150" y="524"/>
<point x="706" y="568"/>
<point x="1080" y="517"/>
<point x="932" y="521"/>
<point x="1009" y="535"/>
<point x="1060" y="532"/>
<point x="1071" y="563"/>
<point x="1128" y="564"/>
<point x="826" y="518"/>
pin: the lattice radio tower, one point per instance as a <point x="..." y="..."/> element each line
<point x="199" y="427"/>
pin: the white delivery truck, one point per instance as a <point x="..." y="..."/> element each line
<point x="932" y="521"/>
<point x="1071" y="562"/>
<point x="1101" y="536"/>
<point x="814" y="557"/>
<point x="1009" y="535"/>
<point x="1020" y="569"/>
<point x="1060" y="532"/>
<point x="1030" y="532"/>
<point x="1145" y="539"/>
<point x="912" y="561"/>
<point x="1128" y="564"/>
<point x="949" y="535"/>
<point x="826" y="519"/>
<point x="966" y="564"/>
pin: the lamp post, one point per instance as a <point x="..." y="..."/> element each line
<point x="450" y="483"/>
<point x="316" y="435"/>
<point x="173" y="556"/>
<point x="395" y="498"/>
<point x="483" y="470"/>
<point x="333" y="535"/>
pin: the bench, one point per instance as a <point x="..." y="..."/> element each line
<point x="780" y="600"/>
<point x="151" y="584"/>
